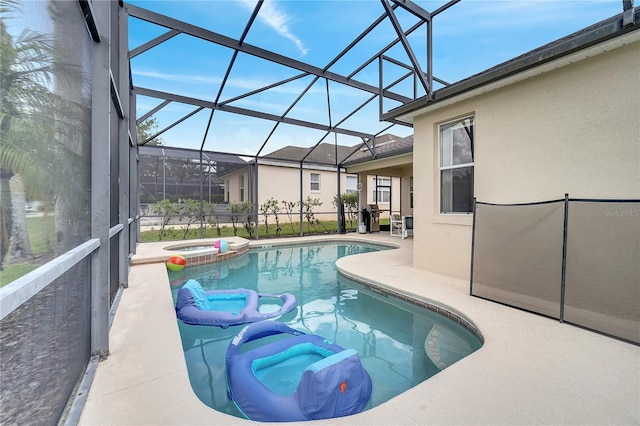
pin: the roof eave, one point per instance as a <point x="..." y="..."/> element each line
<point x="395" y="153"/>
<point x="591" y="36"/>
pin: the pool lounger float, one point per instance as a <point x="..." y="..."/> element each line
<point x="295" y="378"/>
<point x="224" y="308"/>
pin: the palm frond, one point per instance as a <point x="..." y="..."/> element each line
<point x="7" y="7"/>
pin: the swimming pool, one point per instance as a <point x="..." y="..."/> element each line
<point x="400" y="344"/>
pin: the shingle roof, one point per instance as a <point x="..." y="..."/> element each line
<point x="325" y="153"/>
<point x="388" y="148"/>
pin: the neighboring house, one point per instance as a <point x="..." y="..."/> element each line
<point x="278" y="174"/>
<point x="563" y="118"/>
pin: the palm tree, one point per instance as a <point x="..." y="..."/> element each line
<point x="36" y="127"/>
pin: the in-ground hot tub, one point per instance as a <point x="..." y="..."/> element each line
<point x="192" y="250"/>
<point x="196" y="253"/>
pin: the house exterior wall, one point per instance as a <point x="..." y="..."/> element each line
<point x="232" y="186"/>
<point x="571" y="130"/>
<point x="384" y="206"/>
<point x="400" y="168"/>
<point x="281" y="183"/>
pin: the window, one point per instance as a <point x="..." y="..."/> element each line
<point x="315" y="181"/>
<point x="241" y="188"/>
<point x="382" y="190"/>
<point x="352" y="184"/>
<point x="456" y="166"/>
<point x="226" y="188"/>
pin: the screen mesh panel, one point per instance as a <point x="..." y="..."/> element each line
<point x="517" y="256"/>
<point x="602" y="286"/>
<point x="46" y="345"/>
<point x="518" y="260"/>
<point x="171" y="173"/>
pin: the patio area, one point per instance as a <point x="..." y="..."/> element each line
<point x="531" y="369"/>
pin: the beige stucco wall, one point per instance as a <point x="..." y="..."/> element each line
<point x="281" y="183"/>
<point x="406" y="208"/>
<point x="573" y="129"/>
<point x="368" y="196"/>
<point x="400" y="168"/>
<point x="233" y="188"/>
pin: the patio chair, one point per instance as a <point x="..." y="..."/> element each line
<point x="395" y="225"/>
<point x="407" y="226"/>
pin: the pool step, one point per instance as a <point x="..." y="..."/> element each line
<point x="444" y="347"/>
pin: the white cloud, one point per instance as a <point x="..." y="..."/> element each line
<point x="184" y="78"/>
<point x="277" y="19"/>
<point x="237" y="82"/>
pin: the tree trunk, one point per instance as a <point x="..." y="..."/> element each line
<point x="72" y="200"/>
<point x="19" y="247"/>
<point x="5" y="215"/>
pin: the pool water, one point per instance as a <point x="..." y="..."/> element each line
<point x="399" y="343"/>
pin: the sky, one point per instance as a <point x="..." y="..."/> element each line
<point x="468" y="38"/>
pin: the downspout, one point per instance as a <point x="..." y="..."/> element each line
<point x="201" y="198"/>
<point x="301" y="200"/>
<point x="256" y="195"/>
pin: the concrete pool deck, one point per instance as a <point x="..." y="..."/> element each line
<point x="530" y="370"/>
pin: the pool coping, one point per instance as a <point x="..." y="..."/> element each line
<point x="160" y="251"/>
<point x="531" y="369"/>
<point x="437" y="308"/>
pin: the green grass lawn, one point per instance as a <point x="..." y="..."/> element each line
<point x="42" y="235"/>
<point x="287" y="230"/>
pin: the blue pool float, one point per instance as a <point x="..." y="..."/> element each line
<point x="224" y="308"/>
<point x="300" y="377"/>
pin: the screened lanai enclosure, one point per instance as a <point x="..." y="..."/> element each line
<point x="175" y="174"/>
<point x="187" y="193"/>
<point x="102" y="119"/>
<point x="294" y="125"/>
<point x="118" y="115"/>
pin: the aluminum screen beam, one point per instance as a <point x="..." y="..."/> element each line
<point x="250" y="113"/>
<point x="177" y="27"/>
<point x="406" y="45"/>
<point x="414" y="9"/>
<point x="262" y="89"/>
<point x="153" y="111"/>
<point x="152" y="43"/>
<point x="358" y="39"/>
<point x="172" y="125"/>
<point x="254" y="14"/>
<point x="249" y="49"/>
<point x="306" y="89"/>
<point x="384" y="49"/>
<point x="444" y="7"/>
<point x="570" y="44"/>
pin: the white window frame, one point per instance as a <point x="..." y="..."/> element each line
<point x="313" y="182"/>
<point x="351" y="185"/>
<point x="386" y="189"/>
<point x="442" y="127"/>
<point x="241" y="178"/>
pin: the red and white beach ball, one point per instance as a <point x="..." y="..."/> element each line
<point x="176" y="263"/>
